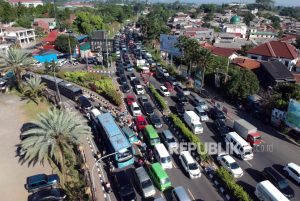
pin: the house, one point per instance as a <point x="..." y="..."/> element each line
<point x="246" y="63"/>
<point x="261" y="33"/>
<point x="47" y="24"/>
<point x="100" y="42"/>
<point x="272" y="73"/>
<point x="18" y="35"/>
<point x="219" y="51"/>
<point x="180" y="17"/>
<point x="203" y="34"/>
<point x="235" y="26"/>
<point x="26" y="3"/>
<point x="48" y="42"/>
<point x="44" y="55"/>
<point x="275" y="50"/>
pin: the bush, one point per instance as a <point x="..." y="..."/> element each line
<point x="190" y="136"/>
<point x="238" y="191"/>
<point x="158" y="97"/>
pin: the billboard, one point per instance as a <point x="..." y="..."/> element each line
<point x="168" y="44"/>
<point x="292" y="118"/>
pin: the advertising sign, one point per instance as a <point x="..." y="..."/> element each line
<point x="292" y="118"/>
<point x="168" y="44"/>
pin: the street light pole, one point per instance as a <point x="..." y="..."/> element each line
<point x="99" y="160"/>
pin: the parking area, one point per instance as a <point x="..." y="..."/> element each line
<point x="13" y="174"/>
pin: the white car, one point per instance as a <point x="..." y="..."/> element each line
<point x="139" y="90"/>
<point x="135" y="109"/>
<point x="190" y="166"/>
<point x="230" y="165"/>
<point x="164" y="91"/>
<point x="292" y="170"/>
<point x="201" y="113"/>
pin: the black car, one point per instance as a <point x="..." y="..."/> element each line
<point x="143" y="99"/>
<point x="125" y="87"/>
<point x="221" y="128"/>
<point x="84" y="104"/>
<point x="136" y="81"/>
<point x="55" y="194"/>
<point x="180" y="108"/>
<point x="278" y="181"/>
<point x="125" y="187"/>
<point x="215" y="113"/>
<point x="123" y="80"/>
<point x="148" y="109"/>
<point x="181" y="98"/>
<point x="121" y="72"/>
<point x="155" y="120"/>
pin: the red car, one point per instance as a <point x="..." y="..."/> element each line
<point x="140" y="122"/>
<point x="130" y="99"/>
<point x="169" y="86"/>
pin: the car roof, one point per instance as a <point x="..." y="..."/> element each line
<point x="134" y="104"/>
<point x="168" y="134"/>
<point x="199" y="108"/>
<point x="130" y="96"/>
<point x="163" y="87"/>
<point x="228" y="158"/>
<point x="142" y="174"/>
<point x="122" y="178"/>
<point x="294" y="166"/>
<point x="140" y="118"/>
<point x="181" y="193"/>
<point x="187" y="156"/>
<point x="36" y="178"/>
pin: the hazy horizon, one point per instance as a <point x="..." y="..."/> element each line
<point x="277" y="2"/>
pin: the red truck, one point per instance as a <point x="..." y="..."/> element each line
<point x="248" y="132"/>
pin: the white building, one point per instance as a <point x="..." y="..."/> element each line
<point x="27" y="3"/>
<point x="235" y="26"/>
<point x="18" y="35"/>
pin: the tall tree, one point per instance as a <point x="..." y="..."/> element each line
<point x="87" y="22"/>
<point x="62" y="43"/>
<point x="34" y="88"/>
<point x="57" y="134"/>
<point x="16" y="60"/>
<point x="204" y="58"/>
<point x="248" y="18"/>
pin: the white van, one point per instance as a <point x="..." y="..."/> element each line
<point x="162" y="155"/>
<point x="266" y="191"/>
<point x="190" y="165"/>
<point x="239" y="146"/>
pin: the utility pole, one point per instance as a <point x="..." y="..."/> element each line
<point x="60" y="102"/>
<point x="106" y="49"/>
<point x="70" y="51"/>
<point x="226" y="74"/>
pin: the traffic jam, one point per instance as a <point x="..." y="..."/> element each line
<point x="145" y="158"/>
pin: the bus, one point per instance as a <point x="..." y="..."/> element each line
<point x="266" y="191"/>
<point x="69" y="90"/>
<point x="151" y="135"/>
<point x="115" y="140"/>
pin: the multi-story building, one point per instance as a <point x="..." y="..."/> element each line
<point x="27" y="3"/>
<point x="100" y="42"/>
<point x="18" y="35"/>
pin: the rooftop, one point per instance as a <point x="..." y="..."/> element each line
<point x="246" y="63"/>
<point x="277" y="70"/>
<point x="45" y="19"/>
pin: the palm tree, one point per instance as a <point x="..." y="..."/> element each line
<point x="57" y="133"/>
<point x="203" y="58"/>
<point x="34" y="88"/>
<point x="16" y="60"/>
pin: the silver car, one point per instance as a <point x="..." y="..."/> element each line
<point x="169" y="140"/>
<point x="144" y="182"/>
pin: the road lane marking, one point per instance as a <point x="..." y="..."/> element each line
<point x="162" y="195"/>
<point x="249" y="163"/>
<point x="174" y="165"/>
<point x="191" y="194"/>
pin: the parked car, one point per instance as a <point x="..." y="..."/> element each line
<point x="144" y="182"/>
<point x="201" y="113"/>
<point x="190" y="166"/>
<point x="221" y="128"/>
<point x="139" y="90"/>
<point x="169" y="140"/>
<point x="125" y="88"/>
<point x="140" y="122"/>
<point x="124" y="185"/>
<point x="230" y="165"/>
<point x="164" y="91"/>
<point x="55" y="194"/>
<point x="136" y="81"/>
<point x="293" y="171"/>
<point x="130" y="99"/>
<point x="132" y="76"/>
<point x="172" y="80"/>
<point x="135" y="109"/>
<point x="41" y="181"/>
<point x="169" y="86"/>
<point x="181" y="98"/>
<point x="148" y="109"/>
<point x="155" y="120"/>
<point x="278" y="181"/>
<point x="215" y="113"/>
<point x="180" y="108"/>
<point x="84" y="104"/>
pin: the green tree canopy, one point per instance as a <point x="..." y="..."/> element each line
<point x="248" y="18"/>
<point x="266" y="4"/>
<point x="87" y="22"/>
<point x="62" y="43"/>
<point x="8" y="12"/>
<point x="242" y="84"/>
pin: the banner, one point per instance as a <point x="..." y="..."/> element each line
<point x="292" y="118"/>
<point x="168" y="44"/>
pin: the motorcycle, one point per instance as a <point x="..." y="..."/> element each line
<point x="107" y="187"/>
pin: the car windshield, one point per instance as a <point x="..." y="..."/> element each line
<point x="170" y="140"/>
<point x="193" y="166"/>
<point x="165" y="159"/>
<point x="283" y="184"/>
<point x="136" y="108"/>
<point x="234" y="166"/>
<point x="257" y="138"/>
<point x="203" y="113"/>
<point x="248" y="152"/>
<point x="146" y="184"/>
<point x="198" y="126"/>
<point x="164" y="181"/>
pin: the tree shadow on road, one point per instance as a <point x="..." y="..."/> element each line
<point x="255" y="174"/>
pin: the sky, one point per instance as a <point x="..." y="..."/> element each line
<point x="277" y="2"/>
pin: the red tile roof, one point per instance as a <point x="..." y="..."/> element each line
<point x="51" y="36"/>
<point x="297" y="77"/>
<point x="224" y="52"/>
<point x="275" y="49"/>
<point x="246" y="63"/>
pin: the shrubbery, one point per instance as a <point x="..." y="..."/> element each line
<point x="190" y="136"/>
<point x="237" y="190"/>
<point x="158" y="97"/>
